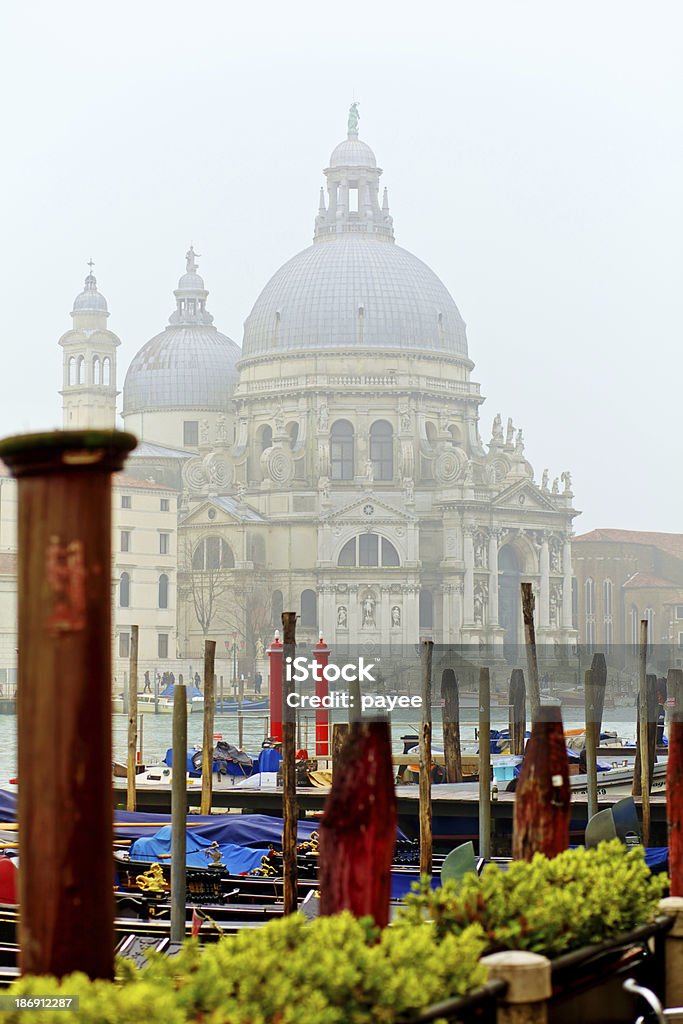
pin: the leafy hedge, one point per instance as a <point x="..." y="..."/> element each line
<point x="576" y="899"/>
<point x="334" y="970"/>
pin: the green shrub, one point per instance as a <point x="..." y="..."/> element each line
<point x="334" y="970"/>
<point x="547" y="906"/>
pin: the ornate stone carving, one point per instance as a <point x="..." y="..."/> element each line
<point x="448" y="466"/>
<point x="194" y="474"/>
<point x="395" y="616"/>
<point x="323" y="416"/>
<point x="368" y="605"/>
<point x="407" y="460"/>
<point x="323" y="459"/>
<point x="481" y="595"/>
<point x="555" y="603"/>
<point x="218" y="471"/>
<point x="277" y="465"/>
<point x="480" y="550"/>
<point x="497" y="430"/>
<point x="342" y="617"/>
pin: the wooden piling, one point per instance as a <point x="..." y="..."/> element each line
<point x="643" y="734"/>
<point x="542" y="797"/>
<point x="64" y="697"/>
<point x="426" y="761"/>
<point x="484" y="764"/>
<point x="179" y="813"/>
<point x="599" y="670"/>
<point x="289" y="805"/>
<point x="209" y="713"/>
<point x="674" y="780"/>
<point x="591" y="744"/>
<point x="517" y="716"/>
<point x="450" y="717"/>
<point x="358" y="827"/>
<point x="132" y="718"/>
<point x="528" y="603"/>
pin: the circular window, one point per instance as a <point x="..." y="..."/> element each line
<point x="211" y="513"/>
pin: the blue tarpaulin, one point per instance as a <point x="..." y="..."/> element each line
<point x="259" y="830"/>
<point x="237" y="859"/>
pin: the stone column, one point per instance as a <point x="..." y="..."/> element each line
<point x="673" y="906"/>
<point x="354" y="618"/>
<point x="544" y="566"/>
<point x="411" y="611"/>
<point x="446" y="613"/>
<point x="529" y="986"/>
<point x="468" y="552"/>
<point x="383" y="614"/>
<point x="327" y="622"/>
<point x="567" y="585"/>
<point x="493" y="578"/>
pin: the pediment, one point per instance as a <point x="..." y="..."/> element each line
<point x="225" y="510"/>
<point x="370" y="509"/>
<point x="524" y="494"/>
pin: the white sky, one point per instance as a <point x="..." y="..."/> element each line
<point x="534" y="157"/>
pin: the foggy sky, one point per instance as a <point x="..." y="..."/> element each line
<point x="534" y="159"/>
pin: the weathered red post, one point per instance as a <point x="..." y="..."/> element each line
<point x="321" y="653"/>
<point x="517" y="711"/>
<point x="290" y="814"/>
<point x="450" y="717"/>
<point x="542" y="798"/>
<point x="358" y="826"/>
<point x="64" y="697"/>
<point x="275" y="661"/>
<point x="674" y="780"/>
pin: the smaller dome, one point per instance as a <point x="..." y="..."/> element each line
<point x="353" y="153"/>
<point x="90" y="300"/>
<point x="191" y="282"/>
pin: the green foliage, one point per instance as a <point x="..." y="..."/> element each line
<point x="334" y="970"/>
<point x="578" y="898"/>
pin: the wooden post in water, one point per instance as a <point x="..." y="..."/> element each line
<point x="484" y="764"/>
<point x="589" y="698"/>
<point x="132" y="718"/>
<point x="141" y="734"/>
<point x="426" y="761"/>
<point x="643" y="734"/>
<point x="674" y="780"/>
<point x="179" y="813"/>
<point x="358" y="827"/>
<point x="209" y="710"/>
<point x="290" y="814"/>
<point x="451" y="725"/>
<point x="517" y="711"/>
<point x="528" y="603"/>
<point x="599" y="670"/>
<point x="542" y="797"/>
<point x="64" y="691"/>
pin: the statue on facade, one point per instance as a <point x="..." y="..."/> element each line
<point x="480" y="597"/>
<point x="369" y="471"/>
<point x="554" y="602"/>
<point x="259" y="649"/>
<point x="497" y="431"/>
<point x="354" y="118"/>
<point x="324" y="488"/>
<point x="556" y="486"/>
<point x="241" y="492"/>
<point x="396" y="616"/>
<point x="519" y="443"/>
<point x="409" y="488"/>
<point x="323" y="416"/>
<point x="204" y="431"/>
<point x="369" y="611"/>
<point x="405" y="421"/>
<point x="279" y="421"/>
<point x="510" y="432"/>
<point x="544" y="480"/>
<point x="221" y="429"/>
<point x="566" y="478"/>
<point x="191" y="261"/>
<point x="342" y="616"/>
<point x="479" y="551"/>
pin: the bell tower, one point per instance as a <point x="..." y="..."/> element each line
<point x="89" y="362"/>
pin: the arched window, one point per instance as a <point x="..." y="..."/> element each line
<point x="589" y="595"/>
<point x="426" y="609"/>
<point x="212" y="553"/>
<point x="309" y="608"/>
<point x="608" y="612"/>
<point x="341" y="450"/>
<point x="369" y="549"/>
<point x="163" y="590"/>
<point x="277" y="606"/>
<point x="106" y="371"/>
<point x="124" y="590"/>
<point x="73" y="373"/>
<point x="96" y="376"/>
<point x="382" y="450"/>
<point x="455" y="433"/>
<point x="266" y="437"/>
<point x="293" y="431"/>
<point x="81" y="369"/>
<point x="634" y="625"/>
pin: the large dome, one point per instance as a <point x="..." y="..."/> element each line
<point x="190" y="365"/>
<point x="354" y="287"/>
<point x="354" y="292"/>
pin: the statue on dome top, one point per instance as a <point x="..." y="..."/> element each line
<point x="354" y="118"/>
<point x="191" y="257"/>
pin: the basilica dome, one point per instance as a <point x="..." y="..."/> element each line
<point x="190" y="365"/>
<point x="354" y="288"/>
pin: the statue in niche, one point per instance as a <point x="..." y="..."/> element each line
<point x="510" y="432"/>
<point x="221" y="430"/>
<point x="409" y="488"/>
<point x="342" y="616"/>
<point x="497" y="431"/>
<point x="405" y="421"/>
<point x="323" y="416"/>
<point x="480" y="551"/>
<point x="554" y="605"/>
<point x="396" y="616"/>
<point x="369" y="612"/>
<point x="279" y="421"/>
<point x="480" y="596"/>
<point x="369" y="471"/>
<point x="555" y="557"/>
<point x="324" y="488"/>
<point x="204" y="431"/>
<point x="259" y="649"/>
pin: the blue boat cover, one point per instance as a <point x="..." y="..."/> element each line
<point x="237" y="859"/>
<point x="256" y="830"/>
<point x="169" y="690"/>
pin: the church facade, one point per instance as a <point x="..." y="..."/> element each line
<point x="335" y="464"/>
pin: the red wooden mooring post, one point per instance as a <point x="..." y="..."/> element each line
<point x="64" y="697"/>
<point x="542" y="798"/>
<point x="358" y="826"/>
<point x="674" y="780"/>
<point x="275" y="661"/>
<point x="321" y="653"/>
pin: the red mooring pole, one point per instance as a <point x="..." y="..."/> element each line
<point x="321" y="652"/>
<point x="274" y="653"/>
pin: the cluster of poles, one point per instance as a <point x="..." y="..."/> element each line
<point x="64" y="706"/>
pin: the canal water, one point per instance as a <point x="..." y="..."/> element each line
<point x="156" y="738"/>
